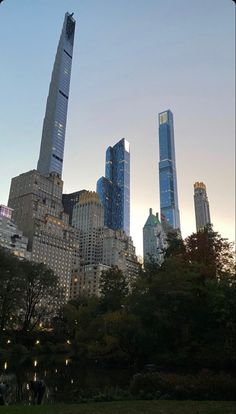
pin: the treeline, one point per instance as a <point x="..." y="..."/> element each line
<point x="182" y="314"/>
<point x="179" y="315"/>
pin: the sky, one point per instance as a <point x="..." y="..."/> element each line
<point x="132" y="59"/>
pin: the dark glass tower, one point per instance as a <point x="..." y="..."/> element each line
<point x="69" y="201"/>
<point x="167" y="171"/>
<point x="54" y="125"/>
<point x="114" y="188"/>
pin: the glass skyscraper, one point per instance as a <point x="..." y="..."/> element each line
<point x="167" y="171"/>
<point x="54" y="125"/>
<point x="114" y="188"/>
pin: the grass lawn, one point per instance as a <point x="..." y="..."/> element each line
<point x="129" y="407"/>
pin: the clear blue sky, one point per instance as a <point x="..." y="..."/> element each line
<point x="132" y="59"/>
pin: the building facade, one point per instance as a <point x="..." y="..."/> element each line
<point x="69" y="201"/>
<point x="11" y="238"/>
<point x="114" y="188"/>
<point x="167" y="171"/>
<point x="154" y="240"/>
<point x="118" y="250"/>
<point x="87" y="281"/>
<point x="88" y="219"/>
<point x="201" y="205"/>
<point x="38" y="212"/>
<point x="54" y="125"/>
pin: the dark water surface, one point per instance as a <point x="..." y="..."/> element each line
<point x="66" y="380"/>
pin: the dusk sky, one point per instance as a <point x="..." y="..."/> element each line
<point x="132" y="59"/>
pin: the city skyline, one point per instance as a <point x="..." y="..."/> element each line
<point x="196" y="131"/>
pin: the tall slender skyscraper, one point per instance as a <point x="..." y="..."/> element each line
<point x="54" y="125"/>
<point x="167" y="171"/>
<point x="201" y="204"/>
<point x="36" y="196"/>
<point x="114" y="189"/>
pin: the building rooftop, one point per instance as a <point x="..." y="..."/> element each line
<point x="153" y="220"/>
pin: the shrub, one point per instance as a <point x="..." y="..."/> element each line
<point x="203" y="386"/>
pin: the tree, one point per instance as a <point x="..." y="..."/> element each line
<point x="213" y="252"/>
<point x="176" y="246"/>
<point x="11" y="285"/>
<point x="113" y="288"/>
<point x="39" y="297"/>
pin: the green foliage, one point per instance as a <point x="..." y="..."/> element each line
<point x="202" y="386"/>
<point x="11" y="284"/>
<point x="214" y="253"/>
<point x="178" y="315"/>
<point x="113" y="288"/>
<point x="28" y="293"/>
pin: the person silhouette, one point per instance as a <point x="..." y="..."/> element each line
<point x="3" y="390"/>
<point x="38" y="389"/>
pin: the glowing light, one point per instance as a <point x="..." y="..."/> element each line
<point x="5" y="365"/>
<point x="37" y="342"/>
<point x="67" y="361"/>
<point x="68" y="342"/>
<point x="35" y="363"/>
<point x="8" y="341"/>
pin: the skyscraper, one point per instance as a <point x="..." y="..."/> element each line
<point x="36" y="196"/>
<point x="114" y="188"/>
<point x="54" y="125"/>
<point x="201" y="204"/>
<point x="167" y="171"/>
<point x="154" y="240"/>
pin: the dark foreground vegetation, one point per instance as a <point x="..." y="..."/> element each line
<point x="130" y="407"/>
<point x="178" y="320"/>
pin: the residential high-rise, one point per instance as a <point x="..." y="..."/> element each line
<point x="167" y="171"/>
<point x="38" y="212"/>
<point x="54" y="125"/>
<point x="88" y="219"/>
<point x="118" y="250"/>
<point x="154" y="240"/>
<point x="201" y="204"/>
<point x="114" y="188"/>
<point x="87" y="281"/>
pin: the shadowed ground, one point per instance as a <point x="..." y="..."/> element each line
<point x="130" y="407"/>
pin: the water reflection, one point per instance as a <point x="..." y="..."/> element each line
<point x="66" y="380"/>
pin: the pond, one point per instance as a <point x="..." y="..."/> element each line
<point x="66" y="380"/>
